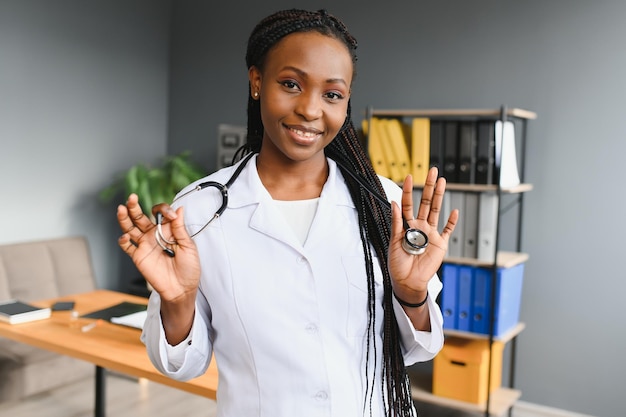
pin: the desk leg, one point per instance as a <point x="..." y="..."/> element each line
<point x="100" y="392"/>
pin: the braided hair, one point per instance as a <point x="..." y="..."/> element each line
<point x="374" y="217"/>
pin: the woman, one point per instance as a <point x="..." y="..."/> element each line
<point x="301" y="289"/>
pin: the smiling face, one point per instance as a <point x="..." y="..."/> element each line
<point x="304" y="88"/>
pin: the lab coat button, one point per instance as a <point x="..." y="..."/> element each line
<point x="321" y="395"/>
<point x="311" y="328"/>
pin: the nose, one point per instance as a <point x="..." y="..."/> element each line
<point x="309" y="106"/>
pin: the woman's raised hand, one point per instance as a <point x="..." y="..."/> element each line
<point x="172" y="277"/>
<point x="410" y="274"/>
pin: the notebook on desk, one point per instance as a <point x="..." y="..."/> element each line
<point x="125" y="313"/>
<point x="15" y="311"/>
<point x="117" y="310"/>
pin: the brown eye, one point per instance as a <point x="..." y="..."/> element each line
<point x="334" y="96"/>
<point x="290" y="85"/>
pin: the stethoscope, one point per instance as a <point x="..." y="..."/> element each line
<point x="414" y="243"/>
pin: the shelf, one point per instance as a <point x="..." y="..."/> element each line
<point x="506" y="337"/>
<point x="521" y="188"/>
<point x="500" y="400"/>
<point x="514" y="112"/>
<point x="503" y="260"/>
<point x="481" y="188"/>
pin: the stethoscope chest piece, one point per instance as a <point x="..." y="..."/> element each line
<point x="415" y="242"/>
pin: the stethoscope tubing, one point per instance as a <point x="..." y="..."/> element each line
<point x="415" y="241"/>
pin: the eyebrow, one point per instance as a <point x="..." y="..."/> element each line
<point x="305" y="75"/>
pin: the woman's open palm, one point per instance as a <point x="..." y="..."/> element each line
<point x="410" y="274"/>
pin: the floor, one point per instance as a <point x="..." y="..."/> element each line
<point x="127" y="397"/>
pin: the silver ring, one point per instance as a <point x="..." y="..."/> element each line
<point x="415" y="242"/>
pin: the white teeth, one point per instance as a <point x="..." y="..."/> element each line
<point x="304" y="134"/>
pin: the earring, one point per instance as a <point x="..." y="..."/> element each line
<point x="256" y="94"/>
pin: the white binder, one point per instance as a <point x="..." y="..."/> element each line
<point x="487" y="224"/>
<point x="455" y="245"/>
<point x="470" y="225"/>
<point x="506" y="154"/>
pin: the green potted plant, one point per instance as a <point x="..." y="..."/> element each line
<point x="153" y="185"/>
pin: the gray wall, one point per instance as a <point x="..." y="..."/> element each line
<point x="84" y="94"/>
<point x="564" y="60"/>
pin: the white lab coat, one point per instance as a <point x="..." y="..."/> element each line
<point x="287" y="322"/>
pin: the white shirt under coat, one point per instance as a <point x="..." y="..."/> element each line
<point x="286" y="322"/>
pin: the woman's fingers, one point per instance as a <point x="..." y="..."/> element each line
<point x="134" y="224"/>
<point x="127" y="224"/>
<point x="397" y="227"/>
<point x="179" y="231"/>
<point x="137" y="216"/>
<point x="128" y="245"/>
<point x="407" y="199"/>
<point x="425" y="207"/>
<point x="165" y="209"/>
<point x="131" y="234"/>
<point x="450" y="225"/>
<point x="436" y="202"/>
<point x="431" y="204"/>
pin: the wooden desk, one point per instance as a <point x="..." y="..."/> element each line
<point x="107" y="345"/>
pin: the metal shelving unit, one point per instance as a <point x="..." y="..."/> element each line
<point x="502" y="399"/>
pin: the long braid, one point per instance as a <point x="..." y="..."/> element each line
<point x="374" y="217"/>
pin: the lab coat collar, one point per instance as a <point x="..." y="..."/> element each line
<point x="248" y="188"/>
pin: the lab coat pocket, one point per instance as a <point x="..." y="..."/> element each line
<point x="356" y="322"/>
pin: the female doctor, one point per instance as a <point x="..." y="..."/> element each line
<point x="301" y="288"/>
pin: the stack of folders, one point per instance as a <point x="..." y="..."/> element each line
<point x="397" y="149"/>
<point x="476" y="229"/>
<point x="463" y="151"/>
<point x="467" y="294"/>
<point x="466" y="151"/>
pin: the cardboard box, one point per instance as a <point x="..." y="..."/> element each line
<point x="460" y="370"/>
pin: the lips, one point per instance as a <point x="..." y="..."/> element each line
<point x="304" y="135"/>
